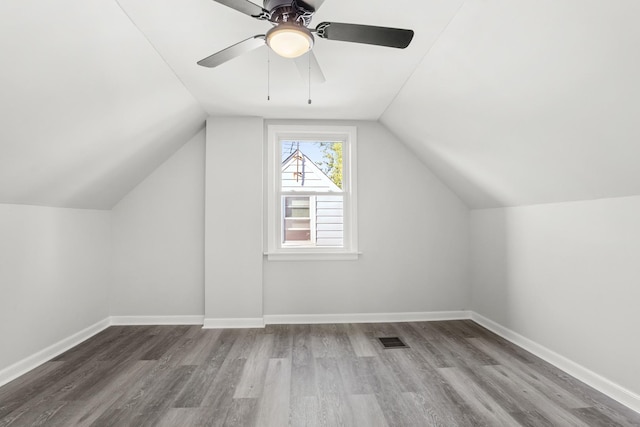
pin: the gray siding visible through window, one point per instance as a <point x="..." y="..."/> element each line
<point x="329" y="221"/>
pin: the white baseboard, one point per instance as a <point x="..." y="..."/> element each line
<point x="306" y="319"/>
<point x="234" y="323"/>
<point x="25" y="365"/>
<point x="156" y="320"/>
<point x="600" y="383"/>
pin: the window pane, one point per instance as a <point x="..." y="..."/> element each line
<point x="297" y="220"/>
<point x="311" y="166"/>
<point x="297" y="207"/>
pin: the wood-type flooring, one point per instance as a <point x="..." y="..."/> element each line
<point x="455" y="373"/>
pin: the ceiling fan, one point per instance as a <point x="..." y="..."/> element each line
<point x="290" y="36"/>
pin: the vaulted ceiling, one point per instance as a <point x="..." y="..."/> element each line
<point x="510" y="103"/>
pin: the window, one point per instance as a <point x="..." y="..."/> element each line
<point x="311" y="193"/>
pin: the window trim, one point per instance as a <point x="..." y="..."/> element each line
<point x="348" y="136"/>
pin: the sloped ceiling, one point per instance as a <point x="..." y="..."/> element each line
<point x="529" y="102"/>
<point x="88" y="108"/>
<point x="510" y="103"/>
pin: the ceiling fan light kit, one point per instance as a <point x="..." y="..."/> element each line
<point x="290" y="40"/>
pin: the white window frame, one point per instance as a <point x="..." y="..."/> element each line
<point x="348" y="136"/>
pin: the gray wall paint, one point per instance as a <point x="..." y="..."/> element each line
<point x="54" y="276"/>
<point x="158" y="240"/>
<point x="233" y="224"/>
<point x="565" y="276"/>
<point x="413" y="235"/>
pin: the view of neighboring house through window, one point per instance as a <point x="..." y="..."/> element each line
<point x="312" y="201"/>
<point x="311" y="195"/>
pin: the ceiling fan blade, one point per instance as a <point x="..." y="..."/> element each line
<point x="302" y="62"/>
<point x="367" y="34"/>
<point x="246" y="7"/>
<point x="232" y="51"/>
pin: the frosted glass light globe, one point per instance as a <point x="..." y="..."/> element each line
<point x="289" y="41"/>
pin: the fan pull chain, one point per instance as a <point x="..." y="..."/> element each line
<point x="268" y="74"/>
<point x="309" y="55"/>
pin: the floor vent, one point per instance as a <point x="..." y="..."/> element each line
<point x="392" y="342"/>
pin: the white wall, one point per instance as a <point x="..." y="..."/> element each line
<point x="413" y="235"/>
<point x="233" y="266"/>
<point x="54" y="276"/>
<point x="158" y="240"/>
<point x="566" y="276"/>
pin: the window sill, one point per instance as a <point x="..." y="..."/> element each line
<point x="312" y="256"/>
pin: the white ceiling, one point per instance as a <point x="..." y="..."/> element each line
<point x="510" y="103"/>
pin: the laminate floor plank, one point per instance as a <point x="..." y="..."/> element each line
<point x="44" y="415"/>
<point x="334" y="410"/>
<point x="108" y="368"/>
<point x="401" y="369"/>
<point x="397" y="410"/>
<point x="488" y="411"/>
<point x="274" y="404"/>
<point x="161" y="397"/>
<point x="244" y="344"/>
<point x="95" y="344"/>
<point x="534" y="377"/>
<point x="110" y="391"/>
<point x="242" y="412"/>
<point x="303" y="367"/>
<point x="137" y="339"/>
<point x="366" y="411"/>
<point x="201" y="342"/>
<point x="26" y="380"/>
<point x="167" y="341"/>
<point x="330" y="341"/>
<point x="531" y="419"/>
<point x="363" y="346"/>
<point x="328" y="377"/>
<point x="595" y="418"/>
<point x="181" y="417"/>
<point x="194" y="391"/>
<point x="255" y="368"/>
<point x="144" y="405"/>
<point x="530" y="398"/>
<point x="52" y="386"/>
<point x="441" y="402"/>
<point x="436" y="414"/>
<point x="283" y="341"/>
<point x="427" y="342"/>
<point x="454" y="373"/>
<point x="305" y="411"/>
<point x="359" y="375"/>
<point x="218" y="398"/>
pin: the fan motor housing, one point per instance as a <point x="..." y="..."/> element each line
<point x="288" y="11"/>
